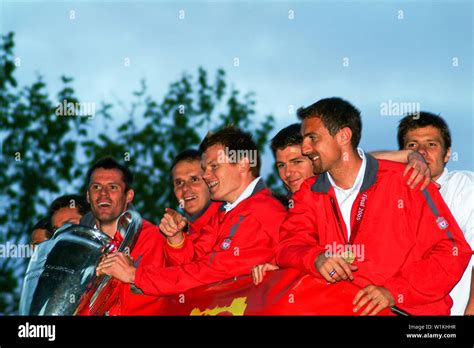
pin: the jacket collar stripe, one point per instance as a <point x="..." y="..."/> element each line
<point x="322" y="183"/>
<point x="193" y="218"/>
<point x="259" y="187"/>
<point x="430" y="202"/>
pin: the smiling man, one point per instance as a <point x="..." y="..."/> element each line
<point x="110" y="193"/>
<point x="193" y="195"/>
<point x="244" y="232"/>
<point x="401" y="246"/>
<point x="293" y="167"/>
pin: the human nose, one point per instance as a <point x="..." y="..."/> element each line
<point x="207" y="174"/>
<point x="186" y="186"/>
<point x="305" y="147"/>
<point x="103" y="191"/>
<point x="423" y="150"/>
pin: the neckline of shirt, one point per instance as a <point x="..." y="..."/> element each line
<point x="244" y="195"/>
<point x="359" y="178"/>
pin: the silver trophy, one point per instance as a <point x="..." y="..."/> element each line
<point x="61" y="276"/>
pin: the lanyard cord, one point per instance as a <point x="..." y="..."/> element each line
<point x="358" y="220"/>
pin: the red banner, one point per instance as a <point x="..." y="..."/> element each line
<point x="283" y="292"/>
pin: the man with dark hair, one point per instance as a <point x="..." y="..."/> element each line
<point x="41" y="231"/>
<point x="67" y="209"/>
<point x="244" y="232"/>
<point x="430" y="136"/>
<point x="293" y="168"/>
<point x="426" y="122"/>
<point x="358" y="220"/>
<point x="192" y="193"/>
<point x="110" y="193"/>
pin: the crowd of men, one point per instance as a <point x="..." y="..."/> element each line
<point x="397" y="224"/>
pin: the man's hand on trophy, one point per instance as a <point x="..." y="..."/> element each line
<point x="172" y="226"/>
<point x="117" y="265"/>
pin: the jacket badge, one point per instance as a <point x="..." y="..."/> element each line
<point x="226" y="243"/>
<point x="442" y="223"/>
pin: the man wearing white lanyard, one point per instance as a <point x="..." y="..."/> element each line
<point x="402" y="246"/>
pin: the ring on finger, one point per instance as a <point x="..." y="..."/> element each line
<point x="332" y="272"/>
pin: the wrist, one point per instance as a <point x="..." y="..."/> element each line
<point x="410" y="153"/>
<point x="133" y="272"/>
<point x="319" y="260"/>
<point x="176" y="241"/>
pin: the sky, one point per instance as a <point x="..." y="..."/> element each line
<point x="378" y="55"/>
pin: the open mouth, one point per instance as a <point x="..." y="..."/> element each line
<point x="212" y="184"/>
<point x="314" y="157"/>
<point x="104" y="204"/>
<point x="190" y="198"/>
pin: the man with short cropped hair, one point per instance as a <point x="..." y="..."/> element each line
<point x="110" y="193"/>
<point x="429" y="134"/>
<point x="357" y="220"/>
<point x="68" y="209"/>
<point x="293" y="168"/>
<point x="244" y="232"/>
<point x="192" y="194"/>
<point x="41" y="231"/>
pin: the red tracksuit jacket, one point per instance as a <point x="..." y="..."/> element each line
<point x="197" y="223"/>
<point x="152" y="246"/>
<point x="195" y="229"/>
<point x="411" y="243"/>
<point x="148" y="250"/>
<point x="229" y="246"/>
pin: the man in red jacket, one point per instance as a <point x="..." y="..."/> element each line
<point x="243" y="233"/>
<point x="357" y="220"/>
<point x="193" y="196"/>
<point x="294" y="168"/>
<point x="191" y="192"/>
<point x="110" y="193"/>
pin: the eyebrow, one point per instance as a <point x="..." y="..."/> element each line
<point x="190" y="175"/>
<point x="429" y="139"/>
<point x="107" y="183"/>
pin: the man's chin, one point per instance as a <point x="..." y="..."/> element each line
<point x="193" y="211"/>
<point x="107" y="220"/>
<point x="318" y="170"/>
<point x="216" y="197"/>
<point x="294" y="188"/>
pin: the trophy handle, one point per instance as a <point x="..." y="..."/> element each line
<point x="129" y="225"/>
